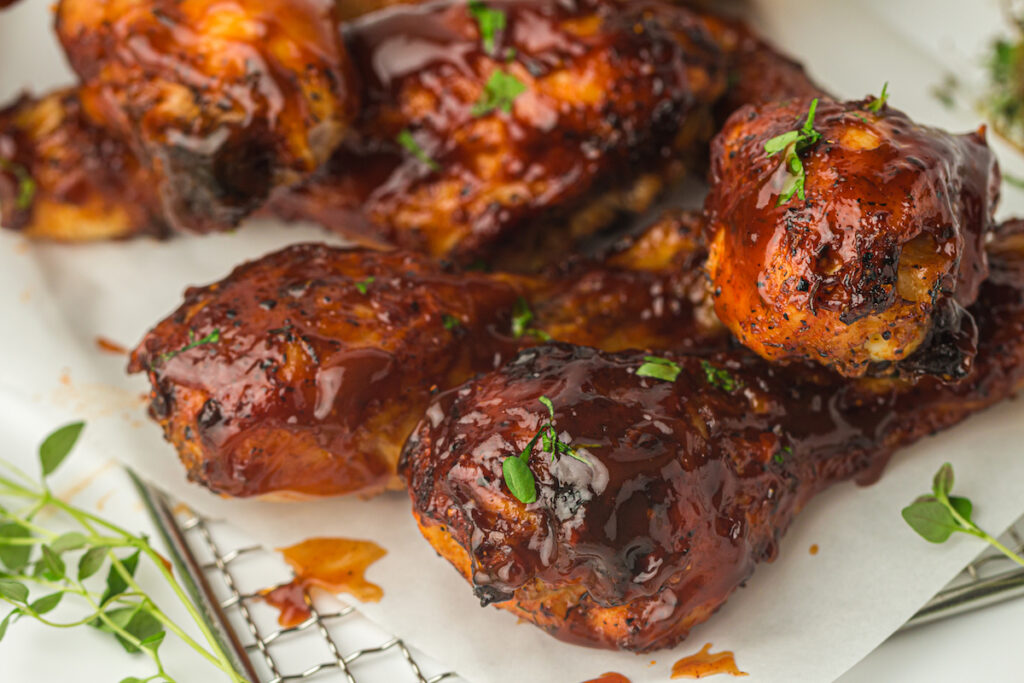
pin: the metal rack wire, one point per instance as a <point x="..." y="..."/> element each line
<point x="209" y="554"/>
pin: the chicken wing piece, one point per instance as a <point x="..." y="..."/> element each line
<point x="316" y="362"/>
<point x="849" y="235"/>
<point x="468" y="139"/>
<point x="63" y="176"/>
<point x="655" y="488"/>
<point x="225" y="101"/>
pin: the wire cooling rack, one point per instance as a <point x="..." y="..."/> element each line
<point x="213" y="558"/>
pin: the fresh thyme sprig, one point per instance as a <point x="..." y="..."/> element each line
<point x="938" y="516"/>
<point x="33" y="555"/>
<point x="516" y="469"/>
<point x="791" y="144"/>
<point x="876" y="104"/>
<point x="193" y="342"/>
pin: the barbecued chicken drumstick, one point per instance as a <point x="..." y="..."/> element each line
<point x="511" y="181"/>
<point x="471" y="138"/>
<point x="225" y="101"/>
<point x="848" y="234"/>
<point x="654" y="494"/>
<point x="302" y="373"/>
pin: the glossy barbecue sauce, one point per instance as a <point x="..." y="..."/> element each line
<point x="690" y="483"/>
<point x="706" y="663"/>
<point x="564" y="138"/>
<point x="336" y="565"/>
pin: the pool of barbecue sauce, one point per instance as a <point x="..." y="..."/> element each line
<point x="706" y="663"/>
<point x="336" y="565"/>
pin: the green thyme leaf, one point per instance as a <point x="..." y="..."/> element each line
<point x="116" y="583"/>
<point x="211" y="338"/>
<point x="46" y="603"/>
<point x="13" y="590"/>
<point x="406" y="140"/>
<point x="362" y="285"/>
<point x="779" y="458"/>
<point x="519" y="478"/>
<point x="490" y="21"/>
<point x="719" y="377"/>
<point x="72" y="540"/>
<point x="91" y="562"/>
<point x="500" y="91"/>
<point x="53" y="566"/>
<point x="942" y="482"/>
<point x="547" y="404"/>
<point x="8" y="620"/>
<point x="450" y="321"/>
<point x="963" y="507"/>
<point x="522" y="316"/>
<point x="14" y="557"/>
<point x="57" y="446"/>
<point x="876" y="104"/>
<point x="659" y="368"/>
<point x="931" y="520"/>
<point x="26" y="183"/>
<point x="791" y="144"/>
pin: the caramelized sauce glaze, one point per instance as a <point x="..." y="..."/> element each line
<point x="611" y="87"/>
<point x="884" y="254"/>
<point x="690" y="485"/>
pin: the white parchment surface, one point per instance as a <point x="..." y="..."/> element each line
<point x="804" y="618"/>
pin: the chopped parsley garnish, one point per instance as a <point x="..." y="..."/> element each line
<point x="779" y="457"/>
<point x="719" y="377"/>
<point x="516" y="469"/>
<point x="490" y="21"/>
<point x="26" y="183"/>
<point x="211" y="338"/>
<point x="450" y="321"/>
<point x="522" y="316"/>
<point x="791" y="144"/>
<point x="659" y="368"/>
<point x="406" y="140"/>
<point x="877" y="103"/>
<point x="362" y="285"/>
<point x="500" y="91"/>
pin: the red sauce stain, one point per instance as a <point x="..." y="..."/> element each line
<point x="706" y="663"/>
<point x="336" y="565"/>
<point x="610" y="677"/>
<point x="104" y="344"/>
<point x="814" y="549"/>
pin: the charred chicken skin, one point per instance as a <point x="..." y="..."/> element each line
<point x="317" y="362"/>
<point x="680" y="487"/>
<point x="879" y="252"/>
<point x="223" y="101"/>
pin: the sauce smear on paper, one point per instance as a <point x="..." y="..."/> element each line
<point x="336" y="565"/>
<point x="610" y="677"/>
<point x="814" y="549"/>
<point x="706" y="663"/>
<point x="104" y="344"/>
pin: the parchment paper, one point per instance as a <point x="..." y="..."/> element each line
<point x="805" y="618"/>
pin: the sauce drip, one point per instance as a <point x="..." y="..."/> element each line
<point x="706" y="663"/>
<point x="108" y="346"/>
<point x="610" y="677"/>
<point x="336" y="565"/>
